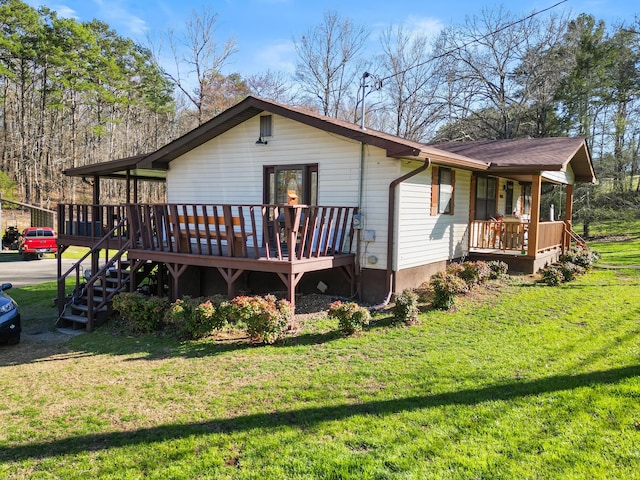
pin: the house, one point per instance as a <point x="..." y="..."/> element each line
<point x="271" y="197"/>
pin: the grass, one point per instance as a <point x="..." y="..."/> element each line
<point x="523" y="381"/>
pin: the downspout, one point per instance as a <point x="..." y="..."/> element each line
<point x="360" y="196"/>
<point x="391" y="219"/>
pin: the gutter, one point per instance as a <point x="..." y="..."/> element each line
<point x="391" y="219"/>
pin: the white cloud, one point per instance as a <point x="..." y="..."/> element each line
<point x="119" y="17"/>
<point x="428" y="26"/>
<point x="279" y="56"/>
<point x="65" y="11"/>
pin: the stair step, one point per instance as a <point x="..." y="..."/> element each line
<point x="115" y="280"/>
<point x="70" y="317"/>
<point x="100" y="288"/>
<point x="85" y="308"/>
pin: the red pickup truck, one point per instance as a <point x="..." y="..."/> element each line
<point x="36" y="241"/>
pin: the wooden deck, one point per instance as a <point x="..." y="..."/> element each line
<point x="283" y="239"/>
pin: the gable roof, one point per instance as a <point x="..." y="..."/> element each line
<point x="394" y="146"/>
<point x="527" y="154"/>
<point x="501" y="157"/>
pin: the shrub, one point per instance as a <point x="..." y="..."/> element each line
<point x="141" y="314"/>
<point x="445" y="288"/>
<point x="455" y="269"/>
<point x="497" y="268"/>
<point x="406" y="307"/>
<point x="265" y="317"/>
<point x="581" y="256"/>
<point x="570" y="270"/>
<point x="474" y="273"/>
<point x="351" y="316"/>
<point x="552" y="276"/>
<point x="195" y="317"/>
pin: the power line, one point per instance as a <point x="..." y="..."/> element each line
<point x="378" y="82"/>
<point x="486" y="35"/>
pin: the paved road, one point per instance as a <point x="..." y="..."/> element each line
<point x="20" y="273"/>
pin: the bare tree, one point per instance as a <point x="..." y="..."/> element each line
<point x="411" y="80"/>
<point x="272" y="85"/>
<point x="494" y="57"/>
<point x="328" y="66"/>
<point x="202" y="60"/>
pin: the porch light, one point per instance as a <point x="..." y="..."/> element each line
<point x="261" y="141"/>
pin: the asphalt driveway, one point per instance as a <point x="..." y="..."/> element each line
<point x="20" y="272"/>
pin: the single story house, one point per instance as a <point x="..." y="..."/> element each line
<point x="271" y="197"/>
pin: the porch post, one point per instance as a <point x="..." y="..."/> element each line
<point x="534" y="224"/>
<point x="568" y="214"/>
<point x="128" y="200"/>
<point x="472" y="210"/>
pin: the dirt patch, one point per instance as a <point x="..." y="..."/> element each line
<point x="610" y="238"/>
<point x="42" y="331"/>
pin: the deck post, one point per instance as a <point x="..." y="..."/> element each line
<point x="534" y="224"/>
<point x="568" y="214"/>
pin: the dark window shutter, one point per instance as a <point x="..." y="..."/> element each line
<point x="435" y="189"/>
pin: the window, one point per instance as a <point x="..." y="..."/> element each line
<point x="526" y="199"/>
<point x="265" y="126"/>
<point x="508" y="202"/>
<point x="486" y="193"/>
<point x="442" y="184"/>
<point x="293" y="184"/>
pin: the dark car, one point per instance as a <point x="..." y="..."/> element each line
<point x="9" y="317"/>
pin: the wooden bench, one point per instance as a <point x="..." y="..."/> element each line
<point x="199" y="228"/>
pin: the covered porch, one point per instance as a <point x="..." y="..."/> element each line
<point x="525" y="242"/>
<point x="516" y="231"/>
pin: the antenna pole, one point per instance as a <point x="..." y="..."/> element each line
<point x="364" y="76"/>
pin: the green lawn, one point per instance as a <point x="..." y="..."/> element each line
<point x="523" y="381"/>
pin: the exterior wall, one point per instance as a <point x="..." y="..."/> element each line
<point x="229" y="169"/>
<point x="423" y="239"/>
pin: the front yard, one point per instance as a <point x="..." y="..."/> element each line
<point x="522" y="381"/>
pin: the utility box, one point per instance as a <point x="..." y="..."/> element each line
<point x="358" y="221"/>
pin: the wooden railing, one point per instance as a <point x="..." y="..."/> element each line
<point x="274" y="232"/>
<point x="513" y="236"/>
<point x="498" y="235"/>
<point x="94" y="221"/>
<point x="550" y="235"/>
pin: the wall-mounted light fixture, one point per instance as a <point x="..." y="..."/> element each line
<point x="261" y="141"/>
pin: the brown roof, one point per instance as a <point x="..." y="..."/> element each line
<point x="529" y="154"/>
<point x="395" y="147"/>
<point x="118" y="169"/>
<point x="502" y="157"/>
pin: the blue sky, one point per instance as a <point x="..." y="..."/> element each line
<point x="264" y="29"/>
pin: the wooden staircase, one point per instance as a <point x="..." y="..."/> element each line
<point x="574" y="237"/>
<point x="89" y="303"/>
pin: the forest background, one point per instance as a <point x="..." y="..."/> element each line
<point x="74" y="93"/>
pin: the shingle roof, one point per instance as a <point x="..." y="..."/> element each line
<point x="396" y="147"/>
<point x="530" y="156"/>
<point x="553" y="153"/>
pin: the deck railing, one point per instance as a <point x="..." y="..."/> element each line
<point x="273" y="232"/>
<point x="498" y="235"/>
<point x="513" y="236"/>
<point x="93" y="221"/>
<point x="550" y="235"/>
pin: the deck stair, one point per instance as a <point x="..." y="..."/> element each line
<point x="90" y="302"/>
<point x="577" y="239"/>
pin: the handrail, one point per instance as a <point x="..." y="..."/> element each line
<point x="124" y="246"/>
<point x="271" y="231"/>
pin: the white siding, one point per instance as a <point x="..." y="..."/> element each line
<point x="229" y="169"/>
<point x="422" y="238"/>
<point x="567" y="177"/>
